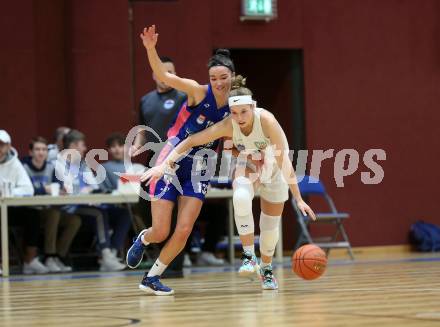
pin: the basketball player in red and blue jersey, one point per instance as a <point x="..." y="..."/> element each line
<point x="206" y="105"/>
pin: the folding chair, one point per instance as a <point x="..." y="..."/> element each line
<point x="311" y="186"/>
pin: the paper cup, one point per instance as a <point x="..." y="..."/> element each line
<point x="55" y="189"/>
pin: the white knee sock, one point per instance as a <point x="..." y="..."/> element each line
<point x="269" y="233"/>
<point x="157" y="269"/>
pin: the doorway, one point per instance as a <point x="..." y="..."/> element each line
<point x="276" y="78"/>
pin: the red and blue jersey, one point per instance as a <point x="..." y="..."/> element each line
<point x="190" y="120"/>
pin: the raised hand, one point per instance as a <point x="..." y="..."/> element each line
<point x="149" y="37"/>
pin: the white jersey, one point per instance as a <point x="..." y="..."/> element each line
<point x="272" y="187"/>
<point x="256" y="142"/>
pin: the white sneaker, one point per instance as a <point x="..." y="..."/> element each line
<point x="109" y="262"/>
<point x="208" y="258"/>
<point x="115" y="253"/>
<point x="52" y="265"/>
<point x="187" y="261"/>
<point x="63" y="267"/>
<point x="34" y="267"/>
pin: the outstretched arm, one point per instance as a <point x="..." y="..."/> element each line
<point x="273" y="130"/>
<point x="190" y="87"/>
<point x="219" y="130"/>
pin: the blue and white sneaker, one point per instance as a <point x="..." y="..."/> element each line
<point x="152" y="285"/>
<point x="136" y="252"/>
<point x="249" y="264"/>
<point x="268" y="280"/>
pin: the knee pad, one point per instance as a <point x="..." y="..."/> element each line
<point x="243" y="196"/>
<point x="269" y="233"/>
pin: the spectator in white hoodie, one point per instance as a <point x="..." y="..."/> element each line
<point x="12" y="171"/>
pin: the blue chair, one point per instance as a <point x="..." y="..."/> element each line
<point x="310" y="186"/>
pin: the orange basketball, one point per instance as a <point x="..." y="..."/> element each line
<point x="309" y="262"/>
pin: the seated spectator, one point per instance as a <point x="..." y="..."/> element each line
<point x="55" y="148"/>
<point x="115" y="166"/>
<point x="42" y="174"/>
<point x="12" y="171"/>
<point x="80" y="180"/>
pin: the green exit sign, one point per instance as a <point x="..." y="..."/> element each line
<point x="259" y="9"/>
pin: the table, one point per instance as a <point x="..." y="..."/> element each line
<point x="42" y="200"/>
<point x="215" y="193"/>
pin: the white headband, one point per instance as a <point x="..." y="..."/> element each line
<point x="239" y="100"/>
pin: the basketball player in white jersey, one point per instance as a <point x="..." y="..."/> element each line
<point x="254" y="131"/>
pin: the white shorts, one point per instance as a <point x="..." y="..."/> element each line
<point x="276" y="190"/>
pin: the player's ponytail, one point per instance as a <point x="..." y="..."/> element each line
<point x="222" y="57"/>
<point x="239" y="87"/>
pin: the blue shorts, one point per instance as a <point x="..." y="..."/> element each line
<point x="184" y="183"/>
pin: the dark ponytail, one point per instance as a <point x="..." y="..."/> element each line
<point x="222" y="57"/>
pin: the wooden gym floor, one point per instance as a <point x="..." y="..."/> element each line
<point x="403" y="291"/>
